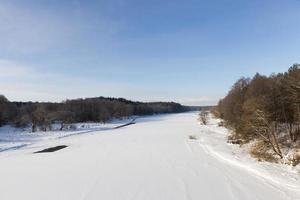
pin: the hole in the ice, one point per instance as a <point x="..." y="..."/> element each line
<point x="128" y="124"/>
<point x="52" y="149"/>
<point x="193" y="137"/>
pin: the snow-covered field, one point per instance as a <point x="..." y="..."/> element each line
<point x="15" y="138"/>
<point x="152" y="159"/>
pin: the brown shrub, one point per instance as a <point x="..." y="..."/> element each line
<point x="234" y="138"/>
<point x="294" y="159"/>
<point x="261" y="150"/>
<point x="221" y="124"/>
<point x="193" y="137"/>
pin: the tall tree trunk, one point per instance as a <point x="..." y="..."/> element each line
<point x="33" y="127"/>
<point x="62" y="126"/>
<point x="274" y="143"/>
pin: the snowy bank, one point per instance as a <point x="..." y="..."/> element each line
<point x="15" y="138"/>
<point x="152" y="160"/>
<point x="213" y="139"/>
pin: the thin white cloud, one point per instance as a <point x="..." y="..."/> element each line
<point x="26" y="83"/>
<point x="26" y="29"/>
<point x="19" y="82"/>
<point x="10" y="69"/>
<point x="200" y="101"/>
<point x="29" y="31"/>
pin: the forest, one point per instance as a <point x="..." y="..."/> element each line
<point x="265" y="109"/>
<point x="40" y="115"/>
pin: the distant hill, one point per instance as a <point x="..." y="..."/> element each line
<point x="195" y="108"/>
<point x="98" y="109"/>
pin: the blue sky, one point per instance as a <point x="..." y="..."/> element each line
<point x="149" y="50"/>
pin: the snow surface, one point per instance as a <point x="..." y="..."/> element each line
<point x="15" y="138"/>
<point x="152" y="159"/>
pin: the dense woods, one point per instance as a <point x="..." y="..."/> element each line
<point x="265" y="109"/>
<point x="42" y="115"/>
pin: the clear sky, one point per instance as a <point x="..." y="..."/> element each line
<point x="187" y="51"/>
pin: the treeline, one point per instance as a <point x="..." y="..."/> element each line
<point x="265" y="108"/>
<point x="100" y="109"/>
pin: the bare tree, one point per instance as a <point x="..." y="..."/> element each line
<point x="266" y="130"/>
<point x="203" y="117"/>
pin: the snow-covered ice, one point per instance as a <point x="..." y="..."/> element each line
<point x="14" y="138"/>
<point x="152" y="159"/>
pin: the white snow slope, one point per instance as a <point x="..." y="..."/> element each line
<point x="153" y="159"/>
